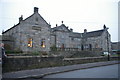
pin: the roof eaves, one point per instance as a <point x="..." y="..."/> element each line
<point x="10" y="28"/>
<point x="16" y="24"/>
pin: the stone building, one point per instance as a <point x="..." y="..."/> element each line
<point x="96" y="40"/>
<point x="115" y="46"/>
<point x="35" y="34"/>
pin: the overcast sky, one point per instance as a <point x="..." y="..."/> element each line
<point x="77" y="14"/>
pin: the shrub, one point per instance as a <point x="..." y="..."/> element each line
<point x="13" y="52"/>
<point x="53" y="48"/>
<point x="44" y="53"/>
<point x="35" y="53"/>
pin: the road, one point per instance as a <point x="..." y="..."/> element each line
<point x="110" y="71"/>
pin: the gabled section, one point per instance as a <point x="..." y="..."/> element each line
<point x="35" y="18"/>
<point x="95" y="33"/>
<point x="62" y="27"/>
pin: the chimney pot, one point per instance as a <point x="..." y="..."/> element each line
<point x="36" y="9"/>
<point x="56" y="25"/>
<point x="71" y="29"/>
<point x="85" y="30"/>
<point x="62" y="22"/>
<point x="104" y="26"/>
<point x="21" y="18"/>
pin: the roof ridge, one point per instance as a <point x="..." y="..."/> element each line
<point x="96" y="31"/>
<point x="17" y="24"/>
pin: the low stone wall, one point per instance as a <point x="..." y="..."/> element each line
<point x="77" y="53"/>
<point x="72" y="61"/>
<point x="34" y="62"/>
<point x="17" y="63"/>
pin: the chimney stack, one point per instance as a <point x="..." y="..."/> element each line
<point x="56" y="25"/>
<point x="21" y="18"/>
<point x="71" y="29"/>
<point x="62" y="22"/>
<point x="85" y="30"/>
<point x="3" y="31"/>
<point x="36" y="10"/>
<point x="104" y="26"/>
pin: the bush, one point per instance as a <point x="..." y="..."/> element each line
<point x="35" y="53"/>
<point x="44" y="53"/>
<point x="53" y="48"/>
<point x="13" y="52"/>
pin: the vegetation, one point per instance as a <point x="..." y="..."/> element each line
<point x="53" y="48"/>
<point x="13" y="52"/>
<point x="35" y="53"/>
<point x="21" y="53"/>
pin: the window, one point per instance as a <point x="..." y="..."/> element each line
<point x="62" y="36"/>
<point x="62" y="40"/>
<point x="82" y="47"/>
<point x="90" y="46"/>
<point x="43" y="43"/>
<point x="72" y="38"/>
<point x="78" y="46"/>
<point x="62" y="46"/>
<point x="30" y="42"/>
<point x="86" y="46"/>
<point x="78" y="39"/>
<point x="96" y="45"/>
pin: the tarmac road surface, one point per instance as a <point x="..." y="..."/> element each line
<point x="110" y="71"/>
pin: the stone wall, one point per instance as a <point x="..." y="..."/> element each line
<point x="34" y="62"/>
<point x="115" y="45"/>
<point x="76" y="53"/>
<point x="72" y="61"/>
<point x="30" y="62"/>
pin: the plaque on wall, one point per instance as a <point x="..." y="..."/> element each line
<point x="36" y="28"/>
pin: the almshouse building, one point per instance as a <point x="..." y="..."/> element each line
<point x="35" y="34"/>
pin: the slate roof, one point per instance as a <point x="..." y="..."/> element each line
<point x="75" y="35"/>
<point x="88" y="34"/>
<point x="93" y="33"/>
<point x="79" y="35"/>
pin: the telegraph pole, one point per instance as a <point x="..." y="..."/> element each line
<point x="108" y="45"/>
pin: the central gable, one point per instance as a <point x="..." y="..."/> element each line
<point x="62" y="27"/>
